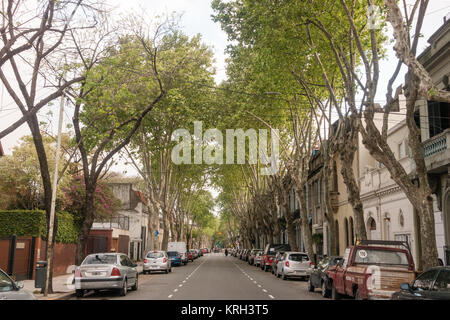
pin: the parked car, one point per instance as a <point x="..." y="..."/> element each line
<point x="318" y="277"/>
<point x="110" y="271"/>
<point x="175" y="258"/>
<point x="373" y="269"/>
<point x="293" y="265"/>
<point x="11" y="290"/>
<point x="269" y="254"/>
<point x="278" y="256"/>
<point x="258" y="258"/>
<point x="252" y="255"/>
<point x="190" y="255"/>
<point x="245" y="254"/>
<point x="200" y="252"/>
<point x="156" y="261"/>
<point x="179" y="247"/>
<point x="433" y="284"/>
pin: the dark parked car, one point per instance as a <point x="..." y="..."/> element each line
<point x="433" y="284"/>
<point x="246" y="254"/>
<point x="319" y="277"/>
<point x="278" y="257"/>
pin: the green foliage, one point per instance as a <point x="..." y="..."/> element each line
<point x="20" y="178"/>
<point x="33" y="224"/>
<point x="22" y="223"/>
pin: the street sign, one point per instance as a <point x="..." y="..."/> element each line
<point x="156" y="233"/>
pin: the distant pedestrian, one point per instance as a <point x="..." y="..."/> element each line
<point x="226" y="252"/>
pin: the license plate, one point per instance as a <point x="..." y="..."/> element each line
<point x="153" y="267"/>
<point x="97" y="273"/>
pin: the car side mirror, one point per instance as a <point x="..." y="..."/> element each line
<point x="20" y="285"/>
<point x="405" y="287"/>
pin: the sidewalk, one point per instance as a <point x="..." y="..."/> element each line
<point x="62" y="286"/>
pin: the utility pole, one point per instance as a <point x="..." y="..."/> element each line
<point x="52" y="209"/>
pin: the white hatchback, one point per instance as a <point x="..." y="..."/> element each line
<point x="157" y="261"/>
<point x="293" y="265"/>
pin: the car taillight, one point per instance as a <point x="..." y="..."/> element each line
<point x="78" y="273"/>
<point x="310" y="264"/>
<point x="179" y="257"/>
<point x="145" y="260"/>
<point x="287" y="264"/>
<point x="165" y="260"/>
<point x="115" y="272"/>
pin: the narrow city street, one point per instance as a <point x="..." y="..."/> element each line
<point x="213" y="277"/>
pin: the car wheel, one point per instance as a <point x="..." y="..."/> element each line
<point x="136" y="283"/>
<point x="145" y="272"/>
<point x="124" y="290"/>
<point x="325" y="291"/>
<point x="79" y="293"/>
<point x="166" y="271"/>
<point x="334" y="294"/>
<point x="310" y="286"/>
<point x="170" y="270"/>
<point x="283" y="275"/>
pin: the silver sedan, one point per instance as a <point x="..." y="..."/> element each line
<point x="106" y="271"/>
<point x="10" y="290"/>
<point x="157" y="261"/>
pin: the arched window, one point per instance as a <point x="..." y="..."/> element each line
<point x="352" y="232"/>
<point x="346" y="232"/>
<point x="372" y="228"/>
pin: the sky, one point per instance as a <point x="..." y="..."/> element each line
<point x="196" y="18"/>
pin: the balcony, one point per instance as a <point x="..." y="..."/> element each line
<point x="437" y="152"/>
<point x="119" y="222"/>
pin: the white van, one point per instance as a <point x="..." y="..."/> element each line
<point x="179" y="247"/>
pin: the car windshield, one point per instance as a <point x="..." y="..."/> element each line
<point x="155" y="255"/>
<point x="298" y="257"/>
<point x="172" y="253"/>
<point x="368" y="256"/>
<point x="5" y="283"/>
<point x="101" y="259"/>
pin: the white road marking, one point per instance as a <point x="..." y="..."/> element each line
<point x="271" y="297"/>
<point x="180" y="285"/>
<point x="259" y="286"/>
<point x="264" y="290"/>
<point x="170" y="296"/>
<point x="176" y="290"/>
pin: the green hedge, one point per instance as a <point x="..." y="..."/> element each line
<point x="25" y="223"/>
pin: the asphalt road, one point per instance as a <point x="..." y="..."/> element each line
<point x="214" y="277"/>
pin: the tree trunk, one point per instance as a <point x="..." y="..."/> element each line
<point x="347" y="147"/>
<point x="88" y="220"/>
<point x="290" y="226"/>
<point x="307" y="234"/>
<point x="46" y="182"/>
<point x="332" y="239"/>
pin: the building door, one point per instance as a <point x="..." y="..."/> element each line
<point x="124" y="242"/>
<point x="22" y="259"/>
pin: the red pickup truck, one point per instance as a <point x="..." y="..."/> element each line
<point x="373" y="269"/>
